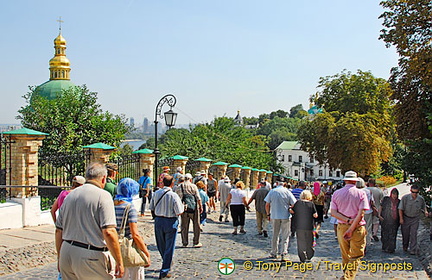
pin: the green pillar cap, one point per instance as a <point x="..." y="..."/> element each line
<point x="100" y="146"/>
<point x="220" y="163"/>
<point x="26" y="131"/>
<point x="255" y="169"/>
<point x="203" y="159"/>
<point x="269" y="172"/>
<point x="246" y="167"/>
<point x="235" y="165"/>
<point x="179" y="157"/>
<point x="143" y="151"/>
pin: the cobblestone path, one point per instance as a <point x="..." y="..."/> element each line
<point x="250" y="253"/>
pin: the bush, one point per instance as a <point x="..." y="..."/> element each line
<point x="387" y="180"/>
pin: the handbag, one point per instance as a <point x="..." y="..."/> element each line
<point x="131" y="254"/>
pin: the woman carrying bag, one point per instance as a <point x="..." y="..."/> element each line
<point x="145" y="191"/>
<point x="126" y="189"/>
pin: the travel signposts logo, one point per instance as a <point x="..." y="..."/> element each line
<point x="226" y="266"/>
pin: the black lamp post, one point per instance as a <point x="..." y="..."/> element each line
<point x="170" y="119"/>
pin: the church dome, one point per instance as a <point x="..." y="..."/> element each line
<point x="59" y="40"/>
<point x="51" y="89"/>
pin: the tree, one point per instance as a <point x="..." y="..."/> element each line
<point x="72" y="120"/>
<point x="218" y="140"/>
<point x="354" y="132"/>
<point x="278" y="114"/>
<point x="297" y="112"/>
<point x="408" y="27"/>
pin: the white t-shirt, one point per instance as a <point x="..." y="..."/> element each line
<point x="237" y="196"/>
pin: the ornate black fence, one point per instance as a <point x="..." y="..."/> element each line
<point x="128" y="166"/>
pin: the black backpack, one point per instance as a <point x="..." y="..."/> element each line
<point x="189" y="202"/>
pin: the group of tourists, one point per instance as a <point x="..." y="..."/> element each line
<point x="90" y="215"/>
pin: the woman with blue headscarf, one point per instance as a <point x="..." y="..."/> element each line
<point x="126" y="189"/>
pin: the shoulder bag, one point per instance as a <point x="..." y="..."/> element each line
<point x="131" y="255"/>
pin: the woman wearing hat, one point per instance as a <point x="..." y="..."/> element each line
<point x="126" y="189"/>
<point x="145" y="191"/>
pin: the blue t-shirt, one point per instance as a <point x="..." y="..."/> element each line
<point x="132" y="217"/>
<point x="280" y="199"/>
<point x="144" y="181"/>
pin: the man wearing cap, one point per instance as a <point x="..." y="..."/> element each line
<point x="411" y="208"/>
<point x="111" y="184"/>
<point x="278" y="202"/>
<point x="165" y="172"/>
<point x="86" y="231"/>
<point x="189" y="190"/>
<point x="224" y="187"/>
<point x="177" y="175"/>
<point x="348" y="206"/>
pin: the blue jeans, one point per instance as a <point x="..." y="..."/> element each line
<point x="166" y="233"/>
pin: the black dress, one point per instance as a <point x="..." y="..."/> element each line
<point x="390" y="224"/>
<point x="303" y="218"/>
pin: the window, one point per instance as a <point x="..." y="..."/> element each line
<point x="311" y="172"/>
<point x="337" y="173"/>
<point x="311" y="160"/>
<point x="283" y="158"/>
<point x="296" y="173"/>
<point x="331" y="173"/>
<point x="300" y="158"/>
<point x="320" y="173"/>
<point x="289" y="158"/>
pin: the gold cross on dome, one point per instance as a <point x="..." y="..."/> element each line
<point x="60" y="22"/>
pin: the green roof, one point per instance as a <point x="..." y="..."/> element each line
<point x="247" y="167"/>
<point x="26" y="131"/>
<point x="287" y="145"/>
<point x="235" y="165"/>
<point x="100" y="146"/>
<point x="179" y="157"/>
<point x="262" y="170"/>
<point x="220" y="163"/>
<point x="255" y="169"/>
<point x="203" y="159"/>
<point x="143" y="151"/>
<point x="269" y="172"/>
<point x="51" y="89"/>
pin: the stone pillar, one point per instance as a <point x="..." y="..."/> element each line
<point x="254" y="177"/>
<point x="236" y="171"/>
<point x="24" y="161"/>
<point x="262" y="174"/>
<point x="204" y="166"/>
<point x="220" y="171"/>
<point x="146" y="160"/>
<point x="178" y="163"/>
<point x="270" y="177"/>
<point x="246" y="176"/>
<point x="99" y="152"/>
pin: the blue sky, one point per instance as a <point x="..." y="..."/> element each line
<point x="217" y="57"/>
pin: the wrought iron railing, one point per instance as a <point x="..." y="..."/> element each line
<point x="128" y="166"/>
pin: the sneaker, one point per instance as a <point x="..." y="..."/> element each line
<point x="220" y="218"/>
<point x="234" y="232"/>
<point x="242" y="231"/>
<point x="375" y="238"/>
<point x="166" y="276"/>
<point x="199" y="245"/>
<point x="265" y="233"/>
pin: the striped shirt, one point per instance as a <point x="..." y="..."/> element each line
<point x="296" y="192"/>
<point x="132" y="217"/>
<point x="170" y="206"/>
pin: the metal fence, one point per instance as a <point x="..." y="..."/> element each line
<point x="5" y="160"/>
<point x="128" y="166"/>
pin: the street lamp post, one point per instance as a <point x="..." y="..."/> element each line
<point x="170" y="119"/>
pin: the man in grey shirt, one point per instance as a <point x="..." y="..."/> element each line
<point x="260" y="211"/>
<point x="224" y="187"/>
<point x="378" y="196"/>
<point x="85" y="223"/>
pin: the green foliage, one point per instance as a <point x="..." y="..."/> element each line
<point x="72" y="120"/>
<point x="355" y="130"/>
<point x="297" y="112"/>
<point x="218" y="140"/>
<point x="408" y="27"/>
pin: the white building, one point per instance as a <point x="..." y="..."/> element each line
<point x="300" y="166"/>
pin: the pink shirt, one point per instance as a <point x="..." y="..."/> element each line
<point x="62" y="197"/>
<point x="348" y="201"/>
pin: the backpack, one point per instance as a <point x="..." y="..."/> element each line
<point x="189" y="202"/>
<point x="211" y="189"/>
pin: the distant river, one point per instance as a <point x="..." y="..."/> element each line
<point x="134" y="143"/>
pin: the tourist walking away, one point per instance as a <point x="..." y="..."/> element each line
<point x="411" y="207"/>
<point x="111" y="185"/>
<point x="160" y="183"/>
<point x="389" y="216"/>
<point x="304" y="212"/>
<point x="348" y="205"/>
<point x="318" y="199"/>
<point x="237" y="203"/>
<point x="167" y="206"/>
<point x="212" y="188"/>
<point x="224" y="190"/>
<point x="301" y="186"/>
<point x="261" y="216"/>
<point x="126" y="189"/>
<point x="77" y="181"/>
<point x="378" y="196"/>
<point x="191" y="199"/>
<point x="278" y="202"/>
<point x="328" y="191"/>
<point x="146" y="193"/>
<point x="368" y="214"/>
<point x="204" y="201"/>
<point x="178" y="175"/>
<point x="86" y="231"/>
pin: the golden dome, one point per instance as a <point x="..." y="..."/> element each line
<point x="59" y="40"/>
<point x="59" y="61"/>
